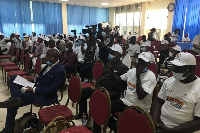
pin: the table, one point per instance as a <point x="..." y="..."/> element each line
<point x="185" y="45"/>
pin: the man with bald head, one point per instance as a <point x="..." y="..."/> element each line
<point x="69" y="59"/>
<point x="44" y="92"/>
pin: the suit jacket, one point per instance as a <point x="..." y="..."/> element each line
<point x="48" y="84"/>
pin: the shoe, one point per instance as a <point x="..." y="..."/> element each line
<point x="11" y="102"/>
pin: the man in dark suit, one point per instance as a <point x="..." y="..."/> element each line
<point x="44" y="92"/>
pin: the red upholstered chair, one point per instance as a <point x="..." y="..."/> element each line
<point x="10" y="68"/>
<point x="97" y="71"/>
<point x="22" y="59"/>
<point x="8" y="56"/>
<point x="100" y="109"/>
<point x="197" y="70"/>
<point x="197" y="59"/>
<point x="46" y="115"/>
<point x="27" y="63"/>
<point x="135" y="119"/>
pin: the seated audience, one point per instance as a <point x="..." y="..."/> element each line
<point x="28" y="45"/>
<point x="5" y="47"/>
<point x="62" y="45"/>
<point x="175" y="35"/>
<point x="145" y="46"/>
<point x="196" y="44"/>
<point x="164" y="53"/>
<point x="44" y="93"/>
<point x="133" y="50"/>
<point x="166" y="67"/>
<point x="125" y="58"/>
<point x="186" y="38"/>
<point x="69" y="59"/>
<point x="115" y="88"/>
<point x="176" y="110"/>
<point x="140" y="85"/>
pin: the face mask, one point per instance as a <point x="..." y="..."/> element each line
<point x="170" y="54"/>
<point x="110" y="57"/>
<point x="49" y="62"/>
<point x="77" y="43"/>
<point x="179" y="76"/>
<point x="143" y="49"/>
<point x="145" y="70"/>
<point x="66" y="49"/>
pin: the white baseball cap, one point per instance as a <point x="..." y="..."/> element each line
<point x="46" y="39"/>
<point x="17" y="34"/>
<point x="147" y="43"/>
<point x="117" y="47"/>
<point x="183" y="59"/>
<point x="146" y="56"/>
<point x="26" y="36"/>
<point x="177" y="48"/>
<point x="82" y="37"/>
<point x="164" y="42"/>
<point x="1" y="34"/>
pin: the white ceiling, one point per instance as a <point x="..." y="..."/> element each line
<point x="97" y="3"/>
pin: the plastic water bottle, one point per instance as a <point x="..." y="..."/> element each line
<point x="84" y="121"/>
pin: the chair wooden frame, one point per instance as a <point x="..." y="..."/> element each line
<point x="142" y="111"/>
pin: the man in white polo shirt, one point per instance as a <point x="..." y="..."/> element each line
<point x="140" y="85"/>
<point x="177" y="108"/>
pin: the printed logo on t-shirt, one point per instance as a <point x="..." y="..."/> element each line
<point x="131" y="86"/>
<point x="175" y="102"/>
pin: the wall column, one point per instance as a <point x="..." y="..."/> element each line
<point x="64" y="18"/>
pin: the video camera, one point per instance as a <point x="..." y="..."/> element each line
<point x="90" y="29"/>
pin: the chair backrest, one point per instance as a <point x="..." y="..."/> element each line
<point x="22" y="57"/>
<point x="197" y="59"/>
<point x="97" y="70"/>
<point x="16" y="54"/>
<point x="153" y="68"/>
<point x="38" y="65"/>
<point x="100" y="107"/>
<point x="27" y="61"/>
<point x="135" y="119"/>
<point x="197" y="70"/>
<point x="12" y="50"/>
<point x="74" y="89"/>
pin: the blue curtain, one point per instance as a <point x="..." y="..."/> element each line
<point x="190" y="9"/>
<point x="193" y="18"/>
<point x="179" y="16"/>
<point x="80" y="16"/>
<point x="47" y="18"/>
<point x="14" y="14"/>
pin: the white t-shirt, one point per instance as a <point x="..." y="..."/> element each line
<point x="29" y="43"/>
<point x="34" y="39"/>
<point x="133" y="49"/>
<point x="80" y="55"/>
<point x="187" y="39"/>
<point x="196" y="41"/>
<point x="2" y="42"/>
<point x="126" y="60"/>
<point x="8" y="46"/>
<point x="18" y="44"/>
<point x="174" y="37"/>
<point x="148" y="81"/>
<point x="182" y="102"/>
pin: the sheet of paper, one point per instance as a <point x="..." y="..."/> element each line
<point x="24" y="82"/>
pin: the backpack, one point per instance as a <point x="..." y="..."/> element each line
<point x="28" y="123"/>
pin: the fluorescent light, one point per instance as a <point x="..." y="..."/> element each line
<point x="64" y="0"/>
<point x="104" y="4"/>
